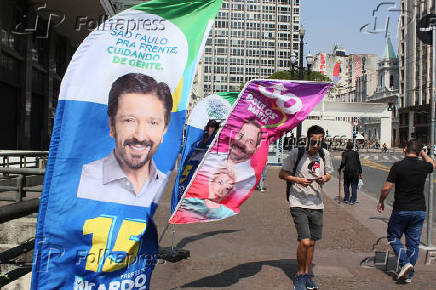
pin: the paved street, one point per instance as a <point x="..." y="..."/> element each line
<point x="256" y="248"/>
<point x="376" y="168"/>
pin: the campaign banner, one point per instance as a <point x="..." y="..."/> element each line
<point x="231" y="168"/>
<point x="201" y="128"/>
<point x="116" y="137"/>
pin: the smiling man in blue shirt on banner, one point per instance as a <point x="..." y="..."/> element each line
<point x="139" y="111"/>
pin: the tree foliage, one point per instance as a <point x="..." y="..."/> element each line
<point x="288" y="75"/>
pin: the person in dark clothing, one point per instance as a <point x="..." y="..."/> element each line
<point x="352" y="172"/>
<point x="408" y="214"/>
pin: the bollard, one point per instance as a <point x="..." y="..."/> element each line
<point x="20" y="185"/>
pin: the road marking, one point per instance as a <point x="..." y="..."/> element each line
<point x="375" y="165"/>
<point x="382" y="158"/>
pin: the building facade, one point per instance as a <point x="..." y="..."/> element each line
<point x="387" y="92"/>
<point x="33" y="59"/>
<point x="415" y="73"/>
<point x="250" y="39"/>
<point x="354" y="75"/>
<point x="31" y="69"/>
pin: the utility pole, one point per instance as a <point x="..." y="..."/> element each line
<point x="427" y="34"/>
<point x="432" y="126"/>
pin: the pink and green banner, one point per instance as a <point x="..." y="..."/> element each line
<point x="230" y="170"/>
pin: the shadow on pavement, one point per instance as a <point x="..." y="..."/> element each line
<point x="191" y="239"/>
<point x="231" y="276"/>
<point x="385" y="220"/>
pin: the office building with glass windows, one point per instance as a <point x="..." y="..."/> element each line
<point x="250" y="39"/>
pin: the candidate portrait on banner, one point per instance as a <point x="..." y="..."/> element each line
<point x="139" y="111"/>
<point x="243" y="145"/>
<point x="226" y="178"/>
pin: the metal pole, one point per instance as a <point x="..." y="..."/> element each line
<point x="301" y="77"/>
<point x="173" y="237"/>
<point x="432" y="126"/>
<point x="301" y="70"/>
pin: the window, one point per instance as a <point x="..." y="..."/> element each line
<point x="221" y="24"/>
<point x="237" y="25"/>
<point x="221" y="50"/>
<point x="237" y="52"/>
<point x="238" y="33"/>
<point x="237" y="43"/>
<point x="252" y="61"/>
<point x="237" y="16"/>
<point x="221" y="41"/>
<point x="221" y="60"/>
<point x="220" y="69"/>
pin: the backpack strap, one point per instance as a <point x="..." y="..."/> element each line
<point x="322" y="154"/>
<point x="299" y="156"/>
<point x="289" y="183"/>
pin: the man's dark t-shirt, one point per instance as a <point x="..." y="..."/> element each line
<point x="409" y="177"/>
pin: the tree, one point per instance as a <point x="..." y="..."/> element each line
<point x="288" y="75"/>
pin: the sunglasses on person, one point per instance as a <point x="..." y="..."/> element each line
<point x="315" y="142"/>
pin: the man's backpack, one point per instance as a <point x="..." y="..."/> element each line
<point x="299" y="156"/>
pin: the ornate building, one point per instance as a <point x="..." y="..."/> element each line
<point x="387" y="92"/>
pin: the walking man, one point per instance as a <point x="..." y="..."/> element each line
<point x="352" y="172"/>
<point x="308" y="170"/>
<point x="408" y="213"/>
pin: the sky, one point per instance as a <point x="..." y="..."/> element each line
<point x="329" y="22"/>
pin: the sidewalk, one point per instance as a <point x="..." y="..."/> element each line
<point x="256" y="249"/>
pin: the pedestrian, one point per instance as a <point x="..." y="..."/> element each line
<point x="352" y="173"/>
<point x="261" y="184"/>
<point x="307" y="168"/>
<point x="408" y="214"/>
<point x="385" y="148"/>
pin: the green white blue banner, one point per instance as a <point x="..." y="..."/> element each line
<point x="116" y="137"/>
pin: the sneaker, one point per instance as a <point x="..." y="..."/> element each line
<point x="345" y="201"/>
<point x="352" y="202"/>
<point x="300" y="282"/>
<point x="405" y="271"/>
<point x="409" y="278"/>
<point x="310" y="284"/>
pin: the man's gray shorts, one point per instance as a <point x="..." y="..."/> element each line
<point x="308" y="223"/>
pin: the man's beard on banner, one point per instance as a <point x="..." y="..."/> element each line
<point x="239" y="151"/>
<point x="135" y="161"/>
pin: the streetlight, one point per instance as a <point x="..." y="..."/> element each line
<point x="301" y="32"/>
<point x="300" y="67"/>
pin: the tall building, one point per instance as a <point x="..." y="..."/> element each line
<point x="415" y="62"/>
<point x="354" y="75"/>
<point x="250" y="39"/>
<point x="333" y="65"/>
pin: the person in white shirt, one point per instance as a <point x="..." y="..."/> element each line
<point x="305" y="199"/>
<point x="139" y="110"/>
